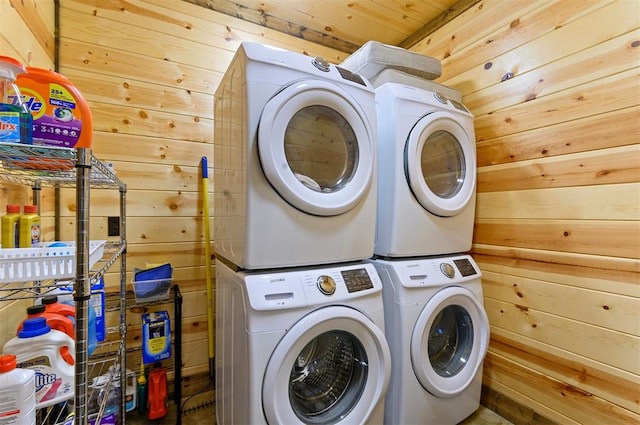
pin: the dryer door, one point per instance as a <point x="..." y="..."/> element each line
<point x="449" y="342"/>
<point x="316" y="147"/>
<point x="331" y="367"/>
<point x="440" y="164"/>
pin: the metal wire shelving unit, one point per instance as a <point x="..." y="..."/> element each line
<point x="45" y="166"/>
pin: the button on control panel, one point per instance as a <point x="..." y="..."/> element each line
<point x="326" y="284"/>
<point x="447" y="270"/>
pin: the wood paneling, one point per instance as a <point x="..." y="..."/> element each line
<point x="558" y="209"/>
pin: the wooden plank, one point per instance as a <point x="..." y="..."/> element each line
<point x="103" y="60"/>
<point x="616" y="349"/>
<point x="167" y="125"/>
<point x="593" y="278"/>
<point x="145" y="229"/>
<point x="142" y="150"/>
<point x="567" y="401"/>
<point x="25" y="47"/>
<point x="607" y="130"/>
<point x="547" y="35"/>
<point x="142" y="42"/>
<point x="39" y="17"/>
<point x="586" y="65"/>
<point x="140" y="94"/>
<point x="603" y="166"/>
<point x="603" y="309"/>
<point x="605" y="95"/>
<point x="140" y="203"/>
<point x="507" y="408"/>
<point x="557" y="258"/>
<point x="436" y="23"/>
<point x="603" y="202"/>
<point x="476" y="23"/>
<point x="618" y="388"/>
<point x="275" y="21"/>
<point x="194" y="23"/>
<point x="608" y="238"/>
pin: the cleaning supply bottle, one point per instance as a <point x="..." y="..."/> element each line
<point x="49" y="353"/>
<point x="29" y="227"/>
<point x="55" y="321"/>
<point x="17" y="396"/>
<point x="16" y="122"/>
<point x="11" y="227"/>
<point x="141" y="391"/>
<point x="157" y="394"/>
<point x="61" y="115"/>
<point x="52" y="305"/>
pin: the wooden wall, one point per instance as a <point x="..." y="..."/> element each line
<point x="557" y="232"/>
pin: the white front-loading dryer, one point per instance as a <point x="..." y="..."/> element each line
<point x="294" y="161"/>
<point x="438" y="332"/>
<point x="426" y="174"/>
<point x="300" y="346"/>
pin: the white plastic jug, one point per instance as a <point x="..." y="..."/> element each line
<point x="50" y="354"/>
<point x="17" y="393"/>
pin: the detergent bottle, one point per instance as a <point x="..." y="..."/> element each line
<point x="49" y="353"/>
<point x="10" y="227"/>
<point x="16" y="123"/>
<point x="61" y="115"/>
<point x="17" y="395"/>
<point x="54" y="321"/>
<point x="29" y="225"/>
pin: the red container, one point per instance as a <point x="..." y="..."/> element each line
<point x="52" y="305"/>
<point x="158" y="394"/>
<point x="55" y="321"/>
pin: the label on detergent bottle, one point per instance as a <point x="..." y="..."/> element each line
<point x="55" y="122"/>
<point x="48" y="385"/>
<point x="58" y="109"/>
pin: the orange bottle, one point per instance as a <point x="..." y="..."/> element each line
<point x="54" y="321"/>
<point x="157" y="394"/>
<point x="61" y="115"/>
<point x="52" y="305"/>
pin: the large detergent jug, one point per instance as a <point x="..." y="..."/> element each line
<point x="54" y="321"/>
<point x="61" y="115"/>
<point x="49" y="353"/>
<point x="17" y="398"/>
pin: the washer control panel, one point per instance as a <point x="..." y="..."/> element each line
<point x="312" y="286"/>
<point x="436" y="271"/>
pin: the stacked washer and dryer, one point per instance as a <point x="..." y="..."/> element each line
<point x="435" y="321"/>
<point x="299" y="310"/>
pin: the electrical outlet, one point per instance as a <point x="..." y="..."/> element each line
<point x="113" y="226"/>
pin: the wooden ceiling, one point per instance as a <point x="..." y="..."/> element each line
<point x="345" y="24"/>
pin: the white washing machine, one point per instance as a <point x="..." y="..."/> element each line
<point x="426" y="173"/>
<point x="438" y="332"/>
<point x="300" y="346"/>
<point x="295" y="161"/>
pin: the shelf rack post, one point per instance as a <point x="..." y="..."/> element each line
<point x="82" y="286"/>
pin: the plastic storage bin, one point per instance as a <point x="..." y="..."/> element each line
<point x="147" y="291"/>
<point x="44" y="261"/>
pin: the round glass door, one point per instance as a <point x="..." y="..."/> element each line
<point x="332" y="367"/>
<point x="328" y="377"/>
<point x="449" y="342"/>
<point x="316" y="148"/>
<point x="440" y="164"/>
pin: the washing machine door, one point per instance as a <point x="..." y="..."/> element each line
<point x="440" y="164"/>
<point x="316" y="147"/>
<point x="449" y="342"/>
<point x="331" y="367"/>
